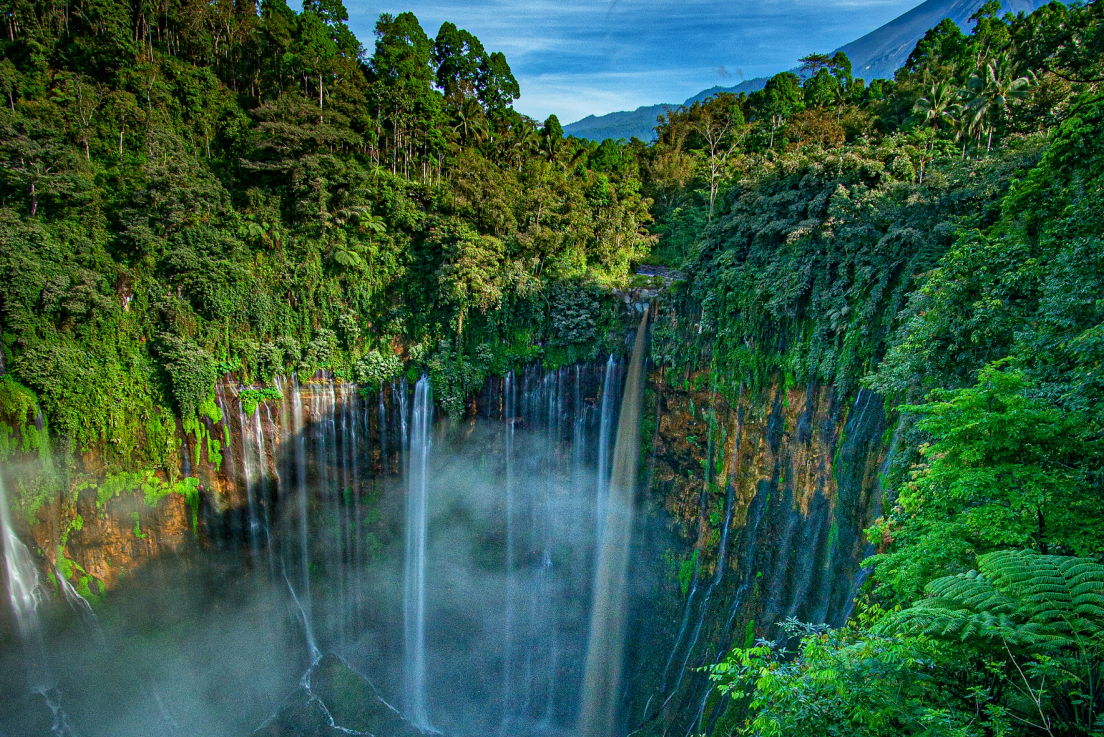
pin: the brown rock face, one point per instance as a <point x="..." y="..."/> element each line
<point x="115" y="539"/>
<point x="751" y="508"/>
<point x="758" y="507"/>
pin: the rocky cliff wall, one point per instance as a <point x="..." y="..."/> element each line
<point x="759" y="505"/>
<point x="752" y="507"/>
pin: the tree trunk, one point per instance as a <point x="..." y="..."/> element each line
<point x="1042" y="531"/>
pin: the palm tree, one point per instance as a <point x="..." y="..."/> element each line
<point x="995" y="87"/>
<point x="938" y="103"/>
<point x="963" y="125"/>
<point x="471" y="122"/>
<point x="519" y="142"/>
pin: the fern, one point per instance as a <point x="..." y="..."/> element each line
<point x="1028" y="600"/>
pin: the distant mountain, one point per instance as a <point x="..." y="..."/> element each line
<point x="641" y="122"/>
<point x="880" y="53"/>
<point x="876" y="55"/>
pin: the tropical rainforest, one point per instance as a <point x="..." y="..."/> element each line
<point x="190" y="190"/>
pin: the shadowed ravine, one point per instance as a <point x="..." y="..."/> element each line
<point x="510" y="574"/>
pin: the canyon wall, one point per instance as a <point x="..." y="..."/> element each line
<point x="751" y="510"/>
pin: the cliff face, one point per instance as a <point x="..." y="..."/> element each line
<point x="751" y="509"/>
<point x="115" y="538"/>
<point x="247" y="469"/>
<point x="761" y="508"/>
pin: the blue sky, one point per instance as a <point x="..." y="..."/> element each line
<point x="575" y="58"/>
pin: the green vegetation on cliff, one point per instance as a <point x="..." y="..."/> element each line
<point x="939" y="239"/>
<point x="192" y="190"/>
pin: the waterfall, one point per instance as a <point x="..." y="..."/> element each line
<point x="330" y="490"/>
<point x="284" y="460"/>
<point x="404" y="418"/>
<point x="508" y="644"/>
<point x="81" y="606"/>
<point x="301" y="494"/>
<point x="609" y="387"/>
<point x="227" y="437"/>
<point x="417" y="709"/>
<point x="266" y="498"/>
<point x="343" y="507"/>
<point x="23" y="587"/>
<point x="548" y="573"/>
<point x="602" y="678"/>
<point x="384" y="467"/>
<point x="249" y="477"/>
<point x="578" y="428"/>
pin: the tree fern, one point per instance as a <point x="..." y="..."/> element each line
<point x="1018" y="596"/>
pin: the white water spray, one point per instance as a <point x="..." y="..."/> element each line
<point x="609" y="390"/>
<point x="414" y="579"/>
<point x="299" y="436"/>
<point x="23" y="586"/>
<point x="81" y="606"/>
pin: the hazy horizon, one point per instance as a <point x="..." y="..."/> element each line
<point x="579" y="59"/>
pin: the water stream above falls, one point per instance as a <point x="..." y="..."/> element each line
<point x="453" y="567"/>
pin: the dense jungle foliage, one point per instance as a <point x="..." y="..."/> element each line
<point x="191" y="190"/>
<point x="938" y="238"/>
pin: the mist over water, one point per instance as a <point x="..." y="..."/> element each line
<point x="452" y="566"/>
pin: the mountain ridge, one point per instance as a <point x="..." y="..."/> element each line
<point x="877" y="54"/>
<point x="640" y="123"/>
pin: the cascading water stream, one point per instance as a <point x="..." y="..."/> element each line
<point x="300" y="440"/>
<point x="80" y="605"/>
<point x="248" y="456"/>
<point x="284" y="463"/>
<point x="22" y="576"/>
<point x="264" y="501"/>
<point x="609" y="389"/>
<point x="578" y="430"/>
<point x="404" y="418"/>
<point x="414" y="578"/>
<point x="384" y="465"/>
<point x="605" y="651"/>
<point x="548" y="573"/>
<point x="508" y="646"/>
<point x="227" y="436"/>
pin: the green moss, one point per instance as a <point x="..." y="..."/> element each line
<point x="136" y="516"/>
<point x="250" y="398"/>
<point x="18" y="431"/>
<point x="686" y="572"/>
<point x="214" y="452"/>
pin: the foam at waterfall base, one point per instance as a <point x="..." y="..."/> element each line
<point x="333" y="699"/>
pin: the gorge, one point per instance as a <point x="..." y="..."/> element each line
<point x="354" y="524"/>
<point x="338" y="397"/>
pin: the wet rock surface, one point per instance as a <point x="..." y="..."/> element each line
<point x="333" y="699"/>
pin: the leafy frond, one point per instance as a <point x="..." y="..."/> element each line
<point x="1018" y="596"/>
